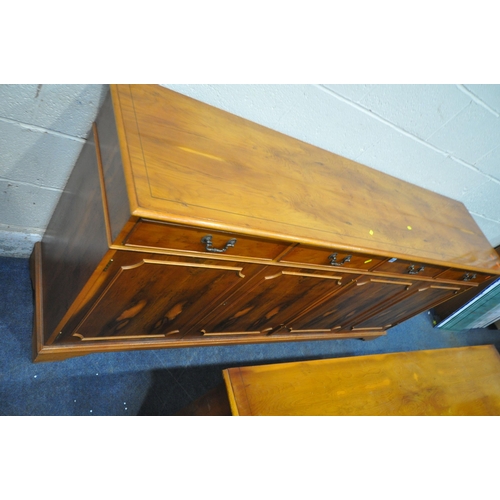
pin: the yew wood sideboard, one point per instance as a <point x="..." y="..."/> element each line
<point x="183" y="225"/>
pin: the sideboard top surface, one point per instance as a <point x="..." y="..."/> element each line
<point x="188" y="162"/>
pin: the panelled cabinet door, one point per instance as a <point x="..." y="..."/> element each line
<point x="275" y="297"/>
<point x="340" y="312"/>
<point x="421" y="297"/>
<point x="156" y="299"/>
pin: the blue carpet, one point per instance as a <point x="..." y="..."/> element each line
<point x="160" y="382"/>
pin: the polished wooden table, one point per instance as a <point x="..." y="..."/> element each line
<point x="456" y="381"/>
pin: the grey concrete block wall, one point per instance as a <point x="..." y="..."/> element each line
<point x="445" y="138"/>
<point x="42" y="131"/>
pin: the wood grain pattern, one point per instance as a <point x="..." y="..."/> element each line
<point x="214" y="164"/>
<point x="271" y="300"/>
<point x="418" y="299"/>
<point x="459" y="381"/>
<point x="359" y="298"/>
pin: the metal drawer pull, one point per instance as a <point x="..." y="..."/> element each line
<point x="333" y="260"/>
<point x="207" y="240"/>
<point x="412" y="270"/>
<point x="469" y="276"/>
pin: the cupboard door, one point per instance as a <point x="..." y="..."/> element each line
<point x="156" y="299"/>
<point x="273" y="299"/>
<point x="339" y="312"/>
<point x="420" y="298"/>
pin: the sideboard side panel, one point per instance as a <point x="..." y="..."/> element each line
<point x="75" y="240"/>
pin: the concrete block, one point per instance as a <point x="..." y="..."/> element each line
<point x="490" y="94"/>
<point x="470" y="135"/>
<point x="491" y="229"/>
<point x="457" y="181"/>
<point x="418" y="109"/>
<point x="67" y="109"/>
<point x="484" y="200"/>
<point x="410" y="160"/>
<point x="352" y="92"/>
<point x="26" y="206"/>
<point x="35" y="156"/>
<point x="490" y="163"/>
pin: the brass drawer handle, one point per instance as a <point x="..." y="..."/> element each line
<point x="333" y="260"/>
<point x="207" y="241"/>
<point x="469" y="276"/>
<point x="412" y="270"/>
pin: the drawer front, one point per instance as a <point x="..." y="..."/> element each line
<point x="409" y="268"/>
<point x="172" y="237"/>
<point x="331" y="258"/>
<point x="463" y="275"/>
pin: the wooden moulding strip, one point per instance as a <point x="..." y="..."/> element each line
<point x="104" y="195"/>
<point x="439" y="287"/>
<point x="217" y="334"/>
<point x="368" y="329"/>
<point x="326" y="334"/>
<point x="312" y="330"/>
<point x="65" y="351"/>
<point x="309" y="275"/>
<point x="230" y="393"/>
<point x="317" y="330"/>
<point x="36" y="264"/>
<point x="376" y="280"/>
<point x="117" y="97"/>
<point x="190" y="264"/>
<point x="123" y="337"/>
